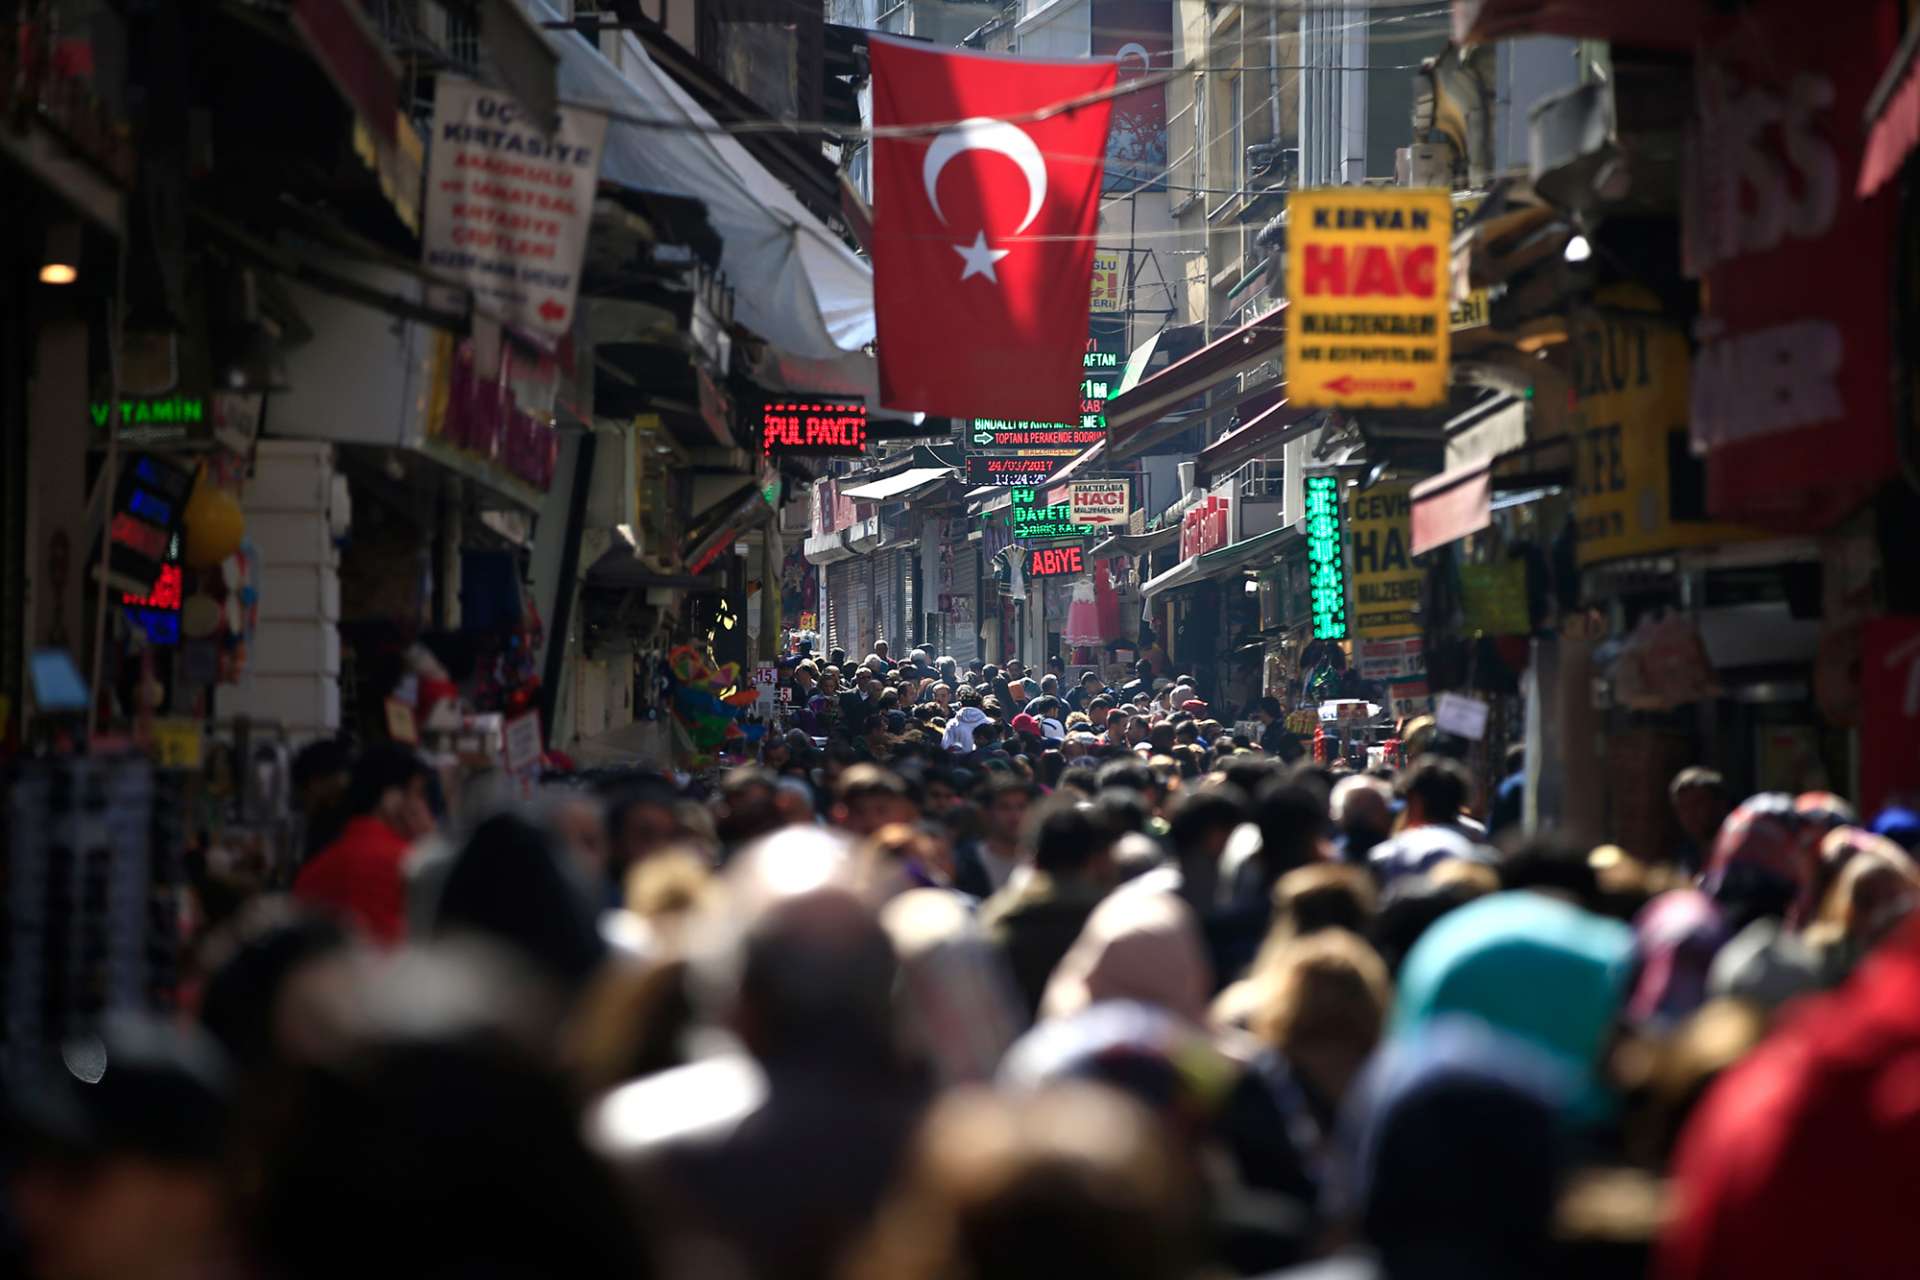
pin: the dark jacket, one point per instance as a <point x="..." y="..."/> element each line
<point x="1033" y="923"/>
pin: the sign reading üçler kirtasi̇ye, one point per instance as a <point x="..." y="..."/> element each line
<point x="1326" y="558"/>
<point x="1369" y="297"/>
<point x="508" y="204"/>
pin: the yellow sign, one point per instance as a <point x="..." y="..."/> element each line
<point x="1386" y="581"/>
<point x="1470" y="311"/>
<point x="1109" y="280"/>
<point x="176" y="743"/>
<point x="1369" y="289"/>
<point x="1638" y="490"/>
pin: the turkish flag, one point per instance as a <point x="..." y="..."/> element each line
<point x="983" y="229"/>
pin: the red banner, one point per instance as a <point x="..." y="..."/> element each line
<point x="982" y="225"/>
<point x="1890" y="714"/>
<point x="1791" y="396"/>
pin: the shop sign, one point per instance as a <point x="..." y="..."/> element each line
<point x="1890" y="713"/>
<point x="509" y="205"/>
<point x="1051" y="442"/>
<point x="1386" y="581"/>
<point x="1462" y="716"/>
<point x="144" y="525"/>
<point x="1204" y="528"/>
<point x="1326" y="559"/>
<point x="1790" y="401"/>
<point x="813" y="428"/>
<point x="1034" y="519"/>
<point x="1009" y="469"/>
<point x="1638" y="489"/>
<point x="1388" y="660"/>
<point x="153" y="420"/>
<point x="1058" y="439"/>
<point x="1109" y="281"/>
<point x="1056" y="562"/>
<point x="1369" y="289"/>
<point x="1100" y="502"/>
<point x="1470" y="306"/>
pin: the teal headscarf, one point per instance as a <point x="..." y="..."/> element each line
<point x="1532" y="966"/>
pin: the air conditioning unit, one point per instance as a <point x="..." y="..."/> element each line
<point x="1186" y="471"/>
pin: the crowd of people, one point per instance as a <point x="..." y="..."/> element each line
<point x="1037" y="723"/>
<point x="978" y="989"/>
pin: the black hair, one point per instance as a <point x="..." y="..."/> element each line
<point x="512" y="884"/>
<point x="1292" y="816"/>
<point x="1269" y="705"/>
<point x="1079" y="777"/>
<point x="1440" y="784"/>
<point x="1548" y="861"/>
<point x="383" y="767"/>
<point x="1128" y="773"/>
<point x="250" y="959"/>
<point x="1199" y="813"/>
<point x="1516" y="757"/>
<point x="1066" y="837"/>
<point x="319" y="758"/>
<point x="1124" y="809"/>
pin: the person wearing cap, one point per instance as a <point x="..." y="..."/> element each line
<point x="115" y="1154"/>
<point x="361" y="873"/>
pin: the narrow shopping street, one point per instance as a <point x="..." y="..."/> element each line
<point x="959" y="639"/>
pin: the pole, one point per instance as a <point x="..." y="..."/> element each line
<point x="109" y="478"/>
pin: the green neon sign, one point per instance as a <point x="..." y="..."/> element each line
<point x="1326" y="563"/>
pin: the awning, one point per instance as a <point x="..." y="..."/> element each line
<point x="1264" y="433"/>
<point x="1134" y="544"/>
<point x="1658" y="24"/>
<point x="1251" y="551"/>
<point x="1893" y="117"/>
<point x="1495" y="426"/>
<point x="1184" y="574"/>
<point x="1452" y="505"/>
<point x="1226" y="560"/>
<point x="903" y="486"/>
<point x="796" y="283"/>
<point x="1132" y="412"/>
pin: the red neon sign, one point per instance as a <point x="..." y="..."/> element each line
<point x="810" y="427"/>
<point x="165" y="593"/>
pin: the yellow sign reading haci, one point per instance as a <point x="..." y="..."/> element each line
<point x="1369" y="291"/>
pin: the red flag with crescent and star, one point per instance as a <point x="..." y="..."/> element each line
<point x="984" y="221"/>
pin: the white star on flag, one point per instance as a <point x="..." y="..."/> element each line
<point x="980" y="258"/>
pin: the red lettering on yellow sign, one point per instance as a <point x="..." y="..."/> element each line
<point x="1371" y="271"/>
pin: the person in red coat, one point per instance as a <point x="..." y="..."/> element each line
<point x="359" y="875"/>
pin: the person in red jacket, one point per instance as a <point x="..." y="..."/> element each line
<point x="359" y="874"/>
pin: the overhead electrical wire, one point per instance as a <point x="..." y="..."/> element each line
<point x="1152" y="79"/>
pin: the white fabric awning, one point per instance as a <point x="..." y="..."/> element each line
<point x="1182" y="574"/>
<point x="796" y="284"/>
<point x="899" y="487"/>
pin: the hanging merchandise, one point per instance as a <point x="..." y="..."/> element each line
<point x="214" y="522"/>
<point x="708" y="701"/>
<point x="1083" y="616"/>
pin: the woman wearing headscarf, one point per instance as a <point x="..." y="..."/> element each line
<point x="1532" y="966"/>
<point x="1676" y="937"/>
<point x="1451" y="1155"/>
